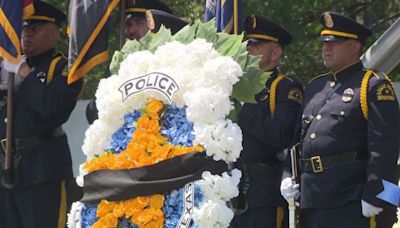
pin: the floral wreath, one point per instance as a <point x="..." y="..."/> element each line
<point x="158" y="155"/>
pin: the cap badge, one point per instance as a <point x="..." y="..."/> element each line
<point x="348" y="94"/>
<point x="328" y="20"/>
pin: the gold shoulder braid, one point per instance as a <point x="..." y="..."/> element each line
<point x="272" y="95"/>
<point x="52" y="68"/>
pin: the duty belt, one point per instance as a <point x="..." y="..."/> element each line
<point x="317" y="164"/>
<point x="28" y="142"/>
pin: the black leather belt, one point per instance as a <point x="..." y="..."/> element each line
<point x="317" y="164"/>
<point x="28" y="142"/>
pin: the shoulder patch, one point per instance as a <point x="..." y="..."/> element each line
<point x="385" y="92"/>
<point x="296" y="95"/>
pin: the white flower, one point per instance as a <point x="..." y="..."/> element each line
<point x="215" y="187"/>
<point x="222" y="140"/>
<point x="213" y="214"/>
<point x="74" y="216"/>
<point x="201" y="108"/>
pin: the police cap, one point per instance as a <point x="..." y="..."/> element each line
<point x="260" y="29"/>
<point x="138" y="8"/>
<point x="339" y="27"/>
<point x="156" y="18"/>
<point x="44" y="13"/>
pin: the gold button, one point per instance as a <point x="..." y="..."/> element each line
<point x="313" y="135"/>
<point x="332" y="84"/>
<point x="319" y="117"/>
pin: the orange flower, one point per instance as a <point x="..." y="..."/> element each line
<point x="154" y="106"/>
<point x="147" y="147"/>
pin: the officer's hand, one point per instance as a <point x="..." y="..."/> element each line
<point x="288" y="189"/>
<point x="14" y="68"/>
<point x="369" y="210"/>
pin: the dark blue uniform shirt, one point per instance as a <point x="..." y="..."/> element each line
<point x="42" y="103"/>
<point x="265" y="134"/>
<point x="342" y="126"/>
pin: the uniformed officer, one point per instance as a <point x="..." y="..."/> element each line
<point x="139" y="20"/>
<point x="36" y="197"/>
<point x="349" y="138"/>
<point x="267" y="127"/>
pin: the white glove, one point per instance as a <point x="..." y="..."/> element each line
<point x="369" y="210"/>
<point x="288" y="189"/>
<point x="13" y="68"/>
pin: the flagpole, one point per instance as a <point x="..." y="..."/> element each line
<point x="122" y="24"/>
<point x="235" y="17"/>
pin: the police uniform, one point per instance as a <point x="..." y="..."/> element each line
<point x="349" y="141"/>
<point x="42" y="160"/>
<point x="267" y="128"/>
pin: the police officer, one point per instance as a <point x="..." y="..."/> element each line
<point x="349" y="135"/>
<point x="267" y="127"/>
<point x="139" y="20"/>
<point x="36" y="196"/>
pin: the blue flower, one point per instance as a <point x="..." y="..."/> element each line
<point x="123" y="223"/>
<point x="176" y="127"/>
<point x="174" y="206"/>
<point x="123" y="135"/>
<point x="88" y="215"/>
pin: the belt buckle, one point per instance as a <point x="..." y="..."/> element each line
<point x="316" y="164"/>
<point x="3" y="143"/>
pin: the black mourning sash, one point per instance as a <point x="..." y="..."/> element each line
<point x="154" y="179"/>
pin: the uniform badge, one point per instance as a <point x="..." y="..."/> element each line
<point x="385" y="92"/>
<point x="42" y="76"/>
<point x="295" y="95"/>
<point x="150" y="20"/>
<point x="328" y="20"/>
<point x="348" y="94"/>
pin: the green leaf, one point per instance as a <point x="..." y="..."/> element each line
<point x="207" y="31"/>
<point x="228" y="45"/>
<point x="252" y="82"/>
<point x="160" y="38"/>
<point x="187" y="33"/>
<point x="234" y="114"/>
<point x="117" y="58"/>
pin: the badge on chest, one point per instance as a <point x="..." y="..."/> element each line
<point x="348" y="95"/>
<point x="41" y="76"/>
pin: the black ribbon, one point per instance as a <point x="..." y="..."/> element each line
<point x="153" y="179"/>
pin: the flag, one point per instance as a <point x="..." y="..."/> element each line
<point x="228" y="14"/>
<point x="11" y="14"/>
<point x="88" y="35"/>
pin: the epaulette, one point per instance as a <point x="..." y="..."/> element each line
<point x="56" y="59"/>
<point x="319" y="76"/>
